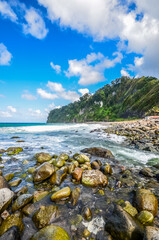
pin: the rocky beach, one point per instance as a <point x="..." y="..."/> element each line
<point x="89" y="194"/>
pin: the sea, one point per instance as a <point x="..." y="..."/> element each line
<point x="62" y="138"/>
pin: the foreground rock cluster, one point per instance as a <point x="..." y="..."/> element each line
<point x="88" y="195"/>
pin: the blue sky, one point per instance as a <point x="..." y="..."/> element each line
<point x="53" y="52"/>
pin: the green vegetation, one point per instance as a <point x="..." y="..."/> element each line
<point x="124" y="98"/>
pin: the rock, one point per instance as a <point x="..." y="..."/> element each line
<point x="38" y="195"/>
<point x="58" y="177"/>
<point x="87" y="213"/>
<point x="21" y="201"/>
<point x="61" y="194"/>
<point x="130" y="209"/>
<point x="43" y="157"/>
<point x="63" y="156"/>
<point x="71" y="168"/>
<point x="146" y="200"/>
<point x="31" y="170"/>
<point x="51" y="232"/>
<point x="15" y="183"/>
<point x="9" y="177"/>
<point x="59" y="163"/>
<point x="86" y="233"/>
<point x="151" y="233"/>
<point x="99" y="152"/>
<point x="122" y="226"/>
<point x="5" y="214"/>
<point x="81" y="158"/>
<point x="94" y="178"/>
<point x="43" y="172"/>
<point x="147" y="172"/>
<point x="15" y="150"/>
<point x="21" y="191"/>
<point x="3" y="183"/>
<point x="145" y="217"/>
<point x="95" y="165"/>
<point x="12" y="220"/>
<point x="11" y="234"/>
<point x="6" y="196"/>
<point x="77" y="174"/>
<point x="28" y="209"/>
<point x="106" y="169"/>
<point x="45" y="216"/>
<point x="2" y="151"/>
<point x="75" y="195"/>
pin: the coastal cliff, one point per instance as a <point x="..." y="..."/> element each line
<point x="124" y="98"/>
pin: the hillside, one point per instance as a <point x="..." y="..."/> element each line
<point x="123" y="98"/>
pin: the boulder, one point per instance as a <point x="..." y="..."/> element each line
<point x="15" y="183"/>
<point x="145" y="217"/>
<point x="3" y="183"/>
<point x="58" y="177"/>
<point x="43" y="157"/>
<point x="94" y="178"/>
<point x="77" y="174"/>
<point x="6" y="196"/>
<point x="151" y="233"/>
<point x="146" y="200"/>
<point x="11" y="234"/>
<point x="61" y="194"/>
<point x="12" y="220"/>
<point x="21" y="201"/>
<point x="63" y="157"/>
<point x="15" y="149"/>
<point x="147" y="172"/>
<point x="99" y="152"/>
<point x="51" y="232"/>
<point x="122" y="226"/>
<point x="45" y="216"/>
<point x="43" y="172"/>
<point x="81" y="158"/>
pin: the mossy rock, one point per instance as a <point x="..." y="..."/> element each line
<point x="38" y="195"/>
<point x="130" y="209"/>
<point x="51" y="232"/>
<point x="21" y="201"/>
<point x="82" y="158"/>
<point x="9" y="176"/>
<point x="15" y="183"/>
<point x="31" y="170"/>
<point x="43" y="157"/>
<point x="61" y="194"/>
<point x="63" y="157"/>
<point x="145" y="217"/>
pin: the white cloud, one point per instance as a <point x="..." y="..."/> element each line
<point x="91" y="69"/>
<point x="35" y="113"/>
<point x="51" y="107"/>
<point x="124" y="73"/>
<point x="57" y="68"/>
<point x="83" y="91"/>
<point x="35" y="24"/>
<point x="70" y="96"/>
<point x="56" y="87"/>
<point x="46" y="95"/>
<point x="5" y="55"/>
<point x="7" y="12"/>
<point x="28" y="96"/>
<point x="138" y="61"/>
<point x="5" y="114"/>
<point x="12" y="109"/>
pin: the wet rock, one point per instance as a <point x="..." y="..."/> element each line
<point x="45" y="216"/>
<point x="75" y="195"/>
<point x="28" y="209"/>
<point x="71" y="168"/>
<point x="5" y="214"/>
<point x="87" y="214"/>
<point x="6" y="196"/>
<point x="145" y="217"/>
<point x="15" y="150"/>
<point x="58" y="177"/>
<point x="151" y="233"/>
<point x="21" y="191"/>
<point x="77" y="174"/>
<point x="147" y="172"/>
<point x="43" y="157"/>
<point x="59" y="163"/>
<point x="31" y="170"/>
<point x="11" y="234"/>
<point x="38" y="195"/>
<point x="81" y="158"/>
<point x="21" y="201"/>
<point x="103" y="235"/>
<point x="43" y="172"/>
<point x="61" y="194"/>
<point x="122" y="226"/>
<point x="15" y="183"/>
<point x="51" y="232"/>
<point x="94" y="178"/>
<point x="99" y="152"/>
<point x="63" y="157"/>
<point x="106" y="169"/>
<point x="9" y="176"/>
<point x="12" y="220"/>
<point x="3" y="183"/>
<point x="2" y="151"/>
<point x="130" y="209"/>
<point x="86" y="233"/>
<point x="146" y="200"/>
<point x="95" y="165"/>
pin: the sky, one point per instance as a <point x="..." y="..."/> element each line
<point x="54" y="51"/>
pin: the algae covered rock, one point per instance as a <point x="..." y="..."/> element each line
<point x="43" y="157"/>
<point x="11" y="234"/>
<point x="43" y="172"/>
<point x="51" y="232"/>
<point x="146" y="200"/>
<point x="3" y="183"/>
<point x="130" y="209"/>
<point x="58" y="177"/>
<point x="21" y="201"/>
<point x="61" y="194"/>
<point x="12" y="220"/>
<point x="38" y="195"/>
<point x="75" y="195"/>
<point x="81" y="158"/>
<point x="15" y="183"/>
<point x="99" y="152"/>
<point x="45" y="215"/>
<point x="145" y="217"/>
<point x="9" y="176"/>
<point x="6" y="196"/>
<point x="63" y="157"/>
<point x="77" y="174"/>
<point x="94" y="178"/>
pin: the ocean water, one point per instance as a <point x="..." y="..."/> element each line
<point x="58" y="138"/>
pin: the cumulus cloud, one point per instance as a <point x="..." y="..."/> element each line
<point x="35" y="113"/>
<point x="56" y="87"/>
<point x="91" y="69"/>
<point x="35" y="24"/>
<point x="51" y="107"/>
<point x="5" y="55"/>
<point x="5" y="114"/>
<point x="57" y="68"/>
<point x="7" y="12"/>
<point x="83" y="91"/>
<point x="124" y="73"/>
<point x="12" y="109"/>
<point x="70" y="96"/>
<point x="28" y="96"/>
<point x="45" y="94"/>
